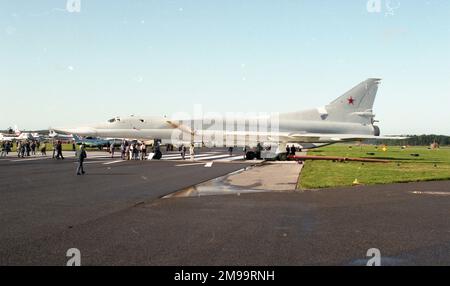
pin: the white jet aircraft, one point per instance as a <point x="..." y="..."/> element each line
<point x="350" y="117"/>
<point x="17" y="136"/>
<point x="57" y="136"/>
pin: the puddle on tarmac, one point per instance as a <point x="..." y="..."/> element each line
<point x="213" y="187"/>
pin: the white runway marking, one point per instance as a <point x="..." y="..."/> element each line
<point x="178" y="153"/>
<point x="113" y="162"/>
<point x="29" y="159"/>
<point x="232" y="158"/>
<point x="432" y="193"/>
<point x="191" y="164"/>
<point x="174" y="157"/>
<point x="223" y="157"/>
<point x="214" y="157"/>
<point x="90" y="162"/>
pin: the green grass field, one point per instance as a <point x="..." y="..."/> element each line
<point x="430" y="165"/>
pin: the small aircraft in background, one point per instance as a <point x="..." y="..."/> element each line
<point x="92" y="142"/>
<point x="15" y="135"/>
<point x="60" y="136"/>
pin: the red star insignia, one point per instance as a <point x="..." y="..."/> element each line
<point x="351" y="100"/>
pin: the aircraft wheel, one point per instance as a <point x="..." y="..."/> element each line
<point x="282" y="157"/>
<point x="250" y="155"/>
<point x="158" y="155"/>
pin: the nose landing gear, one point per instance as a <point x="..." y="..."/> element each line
<point x="250" y="155"/>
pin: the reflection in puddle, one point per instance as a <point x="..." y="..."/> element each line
<point x="214" y="187"/>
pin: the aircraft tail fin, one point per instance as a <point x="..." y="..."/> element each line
<point x="16" y="130"/>
<point x="356" y="105"/>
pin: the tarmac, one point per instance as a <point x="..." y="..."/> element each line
<point x="273" y="176"/>
<point x="115" y="215"/>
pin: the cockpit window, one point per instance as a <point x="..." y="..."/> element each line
<point x="112" y="120"/>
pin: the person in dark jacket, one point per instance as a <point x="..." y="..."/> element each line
<point x="22" y="149"/>
<point x="3" y="150"/>
<point x="27" y="148"/>
<point x="59" y="151"/>
<point x="44" y="150"/>
<point x="81" y="155"/>
<point x="33" y="148"/>
<point x="293" y="150"/>
<point x="183" y="152"/>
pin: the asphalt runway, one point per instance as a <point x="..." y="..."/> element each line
<point x="114" y="216"/>
<point x="41" y="196"/>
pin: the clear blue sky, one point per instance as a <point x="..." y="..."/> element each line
<point x="161" y="57"/>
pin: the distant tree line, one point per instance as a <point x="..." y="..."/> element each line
<point x="418" y="140"/>
<point x="413" y="140"/>
<point x="8" y="131"/>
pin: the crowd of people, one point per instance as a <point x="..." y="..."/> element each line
<point x="6" y="148"/>
<point x="290" y="151"/>
<point x="27" y="148"/>
<point x="24" y="148"/>
<point x="131" y="150"/>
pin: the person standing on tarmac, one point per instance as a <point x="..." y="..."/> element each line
<point x="3" y="150"/>
<point x="81" y="156"/>
<point x="18" y="148"/>
<point x="122" y="150"/>
<point x="8" y="147"/>
<point x="143" y="151"/>
<point x="59" y="151"/>
<point x="22" y="149"/>
<point x="44" y="150"/>
<point x="127" y="151"/>
<point x="33" y="148"/>
<point x="191" y="152"/>
<point x="111" y="149"/>
<point x="54" y="149"/>
<point x="130" y="152"/>
<point x="183" y="152"/>
<point x="28" y="148"/>
<point x="293" y="150"/>
<point x="288" y="150"/>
